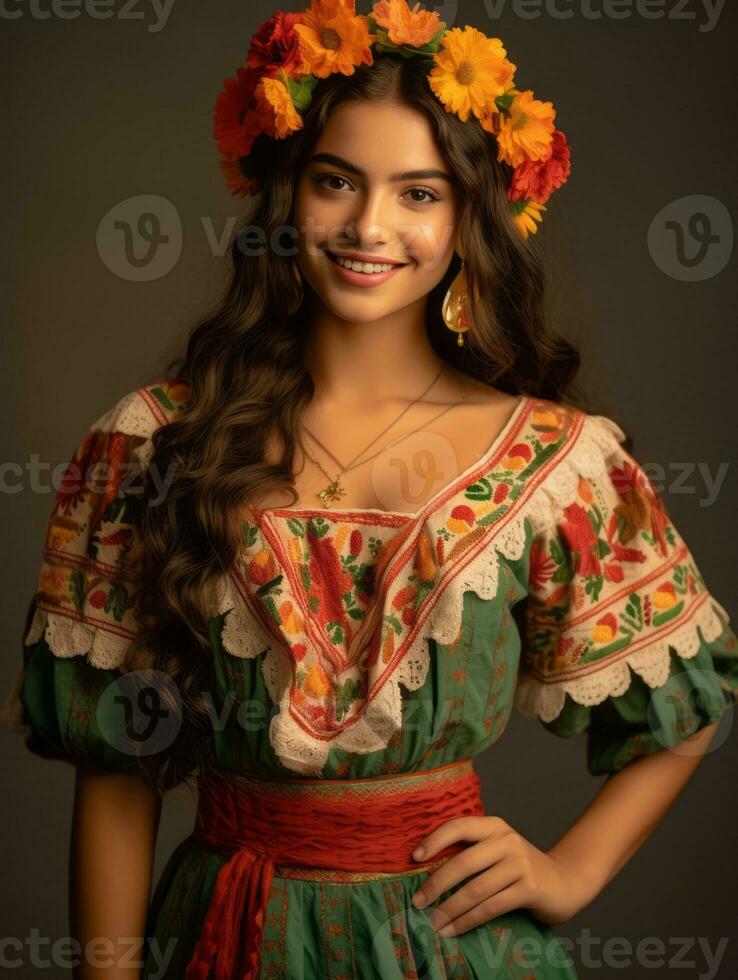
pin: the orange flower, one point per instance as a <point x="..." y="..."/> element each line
<point x="470" y="71"/>
<point x="664" y="596"/>
<point x="333" y="38"/>
<point x="605" y="629"/>
<point x="280" y="115"/>
<point x="405" y="26"/>
<point x="316" y="683"/>
<point x="527" y="133"/>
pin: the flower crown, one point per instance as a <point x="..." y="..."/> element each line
<point x="468" y="72"/>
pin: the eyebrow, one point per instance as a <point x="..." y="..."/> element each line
<point x="393" y="178"/>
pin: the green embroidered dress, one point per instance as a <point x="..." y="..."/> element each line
<point x="349" y="644"/>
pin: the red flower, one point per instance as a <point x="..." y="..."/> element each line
<point x="355" y="542"/>
<point x="237" y="119"/>
<point x="238" y="182"/>
<point x="73" y="485"/>
<point x="121" y="536"/>
<point x="536" y="180"/>
<point x="404" y="596"/>
<point x="542" y="566"/>
<point x="500" y="493"/>
<point x="276" y="45"/>
<point x="329" y="580"/>
<point x="578" y="531"/>
<point x="298" y="650"/>
<point x="408" y="615"/>
<point x="625" y="478"/>
<point x="463" y="513"/>
<point x="97" y="599"/>
<point x="619" y="550"/>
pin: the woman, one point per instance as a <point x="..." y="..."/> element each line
<point x="363" y="519"/>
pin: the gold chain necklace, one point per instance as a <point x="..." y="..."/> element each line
<point x="334" y="491"/>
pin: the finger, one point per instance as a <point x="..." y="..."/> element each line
<point x="477" y="857"/>
<point x="480" y="889"/>
<point x="504" y="901"/>
<point x="460" y="828"/>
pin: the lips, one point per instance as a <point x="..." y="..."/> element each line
<point x="377" y="260"/>
<point x="363" y="279"/>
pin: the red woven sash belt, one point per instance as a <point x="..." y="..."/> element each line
<point x="362" y="825"/>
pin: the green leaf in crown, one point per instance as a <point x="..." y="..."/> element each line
<point x="503" y="102"/>
<point x="300" y="89"/>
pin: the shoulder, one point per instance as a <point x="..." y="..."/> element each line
<point x="558" y="432"/>
<point x="144" y="410"/>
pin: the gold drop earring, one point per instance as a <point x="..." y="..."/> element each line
<point x="455" y="310"/>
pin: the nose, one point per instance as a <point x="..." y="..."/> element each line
<point x="371" y="223"/>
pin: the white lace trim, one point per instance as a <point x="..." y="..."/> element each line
<point x="68" y="637"/>
<point x="653" y="663"/>
<point x="244" y="636"/>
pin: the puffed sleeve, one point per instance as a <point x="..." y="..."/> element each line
<point x="622" y="640"/>
<point x="85" y="609"/>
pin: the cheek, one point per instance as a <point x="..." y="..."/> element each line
<point x="430" y="240"/>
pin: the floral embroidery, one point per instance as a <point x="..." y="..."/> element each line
<point x="86" y="595"/>
<point x="610" y="577"/>
<point x="346" y="617"/>
<point x="344" y="606"/>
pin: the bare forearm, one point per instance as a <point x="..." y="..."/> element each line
<point x="116" y="818"/>
<point x="628" y="808"/>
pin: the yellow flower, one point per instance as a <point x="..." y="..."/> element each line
<point x="470" y="71"/>
<point x="316" y="683"/>
<point x="526" y="219"/>
<point x="334" y="38"/>
<point x="405" y="26"/>
<point x="280" y="115"/>
<point x="527" y="133"/>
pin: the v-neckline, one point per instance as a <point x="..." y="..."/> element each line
<point x="488" y="457"/>
<point x="400" y="546"/>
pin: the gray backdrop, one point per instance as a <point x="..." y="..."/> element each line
<point x="104" y="110"/>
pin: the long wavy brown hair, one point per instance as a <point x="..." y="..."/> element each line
<point x="244" y="364"/>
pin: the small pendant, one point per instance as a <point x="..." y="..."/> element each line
<point x="333" y="492"/>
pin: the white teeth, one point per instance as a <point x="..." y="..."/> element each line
<point x="363" y="266"/>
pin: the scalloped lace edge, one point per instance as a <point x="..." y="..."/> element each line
<point x="67" y="637"/>
<point x="244" y="636"/>
<point x="546" y="699"/>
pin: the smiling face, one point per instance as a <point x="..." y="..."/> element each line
<point x="376" y="184"/>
